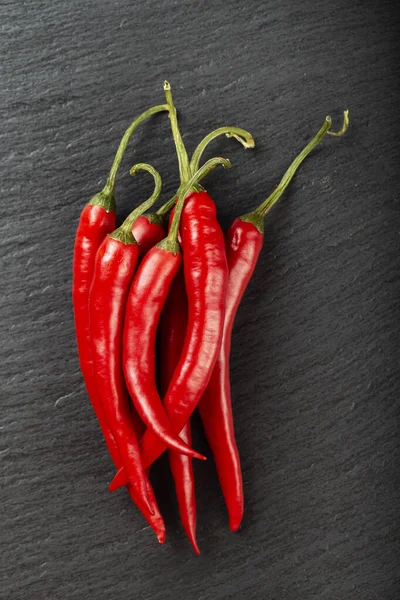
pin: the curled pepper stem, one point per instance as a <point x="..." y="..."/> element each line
<point x="110" y="184"/>
<point x="183" y="159"/>
<point x="124" y="232"/>
<point x="168" y="206"/>
<point x="257" y="216"/>
<point x="344" y="127"/>
<point x="242" y="136"/>
<point x="129" y="221"/>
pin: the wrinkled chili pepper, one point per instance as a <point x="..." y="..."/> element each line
<point x="146" y="299"/>
<point x="243" y="241"/>
<point x="113" y="272"/>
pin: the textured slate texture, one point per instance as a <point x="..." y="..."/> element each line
<point x="315" y="352"/>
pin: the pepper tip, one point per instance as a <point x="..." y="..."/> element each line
<point x="161" y="537"/>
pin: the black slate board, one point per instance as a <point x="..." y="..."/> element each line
<point x="315" y="352"/>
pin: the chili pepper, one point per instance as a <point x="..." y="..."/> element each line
<point x="172" y="336"/>
<point x="244" y="241"/>
<point x="113" y="272"/>
<point x="146" y="235"/>
<point x="96" y="221"/>
<point x="206" y="276"/>
<point x="146" y="299"/>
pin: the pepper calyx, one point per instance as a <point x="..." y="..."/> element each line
<point x="105" y="199"/>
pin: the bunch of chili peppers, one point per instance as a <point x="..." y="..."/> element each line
<point x="172" y="274"/>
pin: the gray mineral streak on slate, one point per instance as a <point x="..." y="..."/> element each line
<point x="315" y="373"/>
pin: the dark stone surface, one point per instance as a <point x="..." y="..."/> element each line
<point x="315" y="354"/>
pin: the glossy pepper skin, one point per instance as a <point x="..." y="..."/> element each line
<point x="95" y="223"/>
<point x="172" y="337"/>
<point x="97" y="220"/>
<point x="206" y="302"/>
<point x="146" y="299"/>
<point x="206" y="276"/>
<point x="246" y="236"/>
<point x="148" y="230"/>
<point x="243" y="242"/>
<point x="114" y="268"/>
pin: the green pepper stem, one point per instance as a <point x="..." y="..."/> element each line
<point x="183" y="159"/>
<point x="201" y="173"/>
<point x="260" y="212"/>
<point x="345" y="125"/>
<point x="110" y="184"/>
<point x="168" y="206"/>
<point x="124" y="232"/>
<point x="242" y="136"/>
<point x="137" y="212"/>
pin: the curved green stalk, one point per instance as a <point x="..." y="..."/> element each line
<point x="124" y="232"/>
<point x="183" y="159"/>
<point x="242" y="136"/>
<point x="344" y="127"/>
<point x="168" y="206"/>
<point x="257" y="216"/>
<point x="105" y="198"/>
<point x="124" y="142"/>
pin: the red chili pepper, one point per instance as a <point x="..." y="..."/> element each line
<point x="206" y="275"/>
<point x="244" y="241"/>
<point x="146" y="299"/>
<point x="96" y="221"/>
<point x="243" y="245"/>
<point x="172" y="337"/>
<point x="114" y="269"/>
